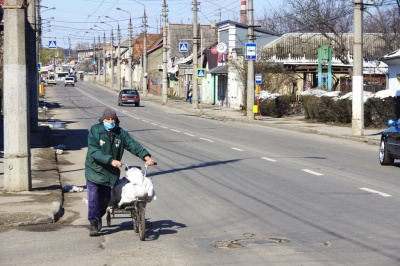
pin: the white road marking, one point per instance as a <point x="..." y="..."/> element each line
<point x="207" y="140"/>
<point x="154" y="124"/>
<point x="163" y="126"/>
<point x="375" y="192"/>
<point x="269" y="159"/>
<point x="236" y="149"/>
<point x="174" y="130"/>
<point x="145" y="121"/>
<point x="311" y="172"/>
<point x="190" y="135"/>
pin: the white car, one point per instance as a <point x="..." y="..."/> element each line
<point x="69" y="81"/>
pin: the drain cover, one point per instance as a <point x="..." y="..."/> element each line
<point x="239" y="243"/>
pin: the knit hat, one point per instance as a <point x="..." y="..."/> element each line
<point x="108" y="113"/>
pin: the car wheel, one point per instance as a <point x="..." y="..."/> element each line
<point x="137" y="104"/>
<point x="384" y="157"/>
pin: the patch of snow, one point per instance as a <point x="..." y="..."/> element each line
<point x="387" y="93"/>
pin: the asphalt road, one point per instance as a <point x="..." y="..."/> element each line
<point x="227" y="193"/>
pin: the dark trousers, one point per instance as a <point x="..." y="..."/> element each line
<point x="98" y="198"/>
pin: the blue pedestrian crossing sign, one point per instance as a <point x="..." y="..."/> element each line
<point x="183" y="47"/>
<point x="39" y="67"/>
<point x="53" y="44"/>
<point x="201" y="73"/>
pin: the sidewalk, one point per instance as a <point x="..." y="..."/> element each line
<point x="43" y="204"/>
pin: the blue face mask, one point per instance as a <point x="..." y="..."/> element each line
<point x="108" y="126"/>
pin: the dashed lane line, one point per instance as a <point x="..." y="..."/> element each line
<point x="207" y="140"/>
<point x="268" y="159"/>
<point x="190" y="134"/>
<point x="236" y="149"/>
<point x="376" y="192"/>
<point x="312" y="172"/>
<point x="175" y="130"/>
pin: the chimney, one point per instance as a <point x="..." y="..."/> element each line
<point x="243" y="12"/>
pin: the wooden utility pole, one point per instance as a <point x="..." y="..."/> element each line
<point x="17" y="157"/>
<point x="358" y="81"/>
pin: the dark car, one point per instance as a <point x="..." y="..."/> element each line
<point x="389" y="149"/>
<point x="74" y="76"/>
<point x="128" y="96"/>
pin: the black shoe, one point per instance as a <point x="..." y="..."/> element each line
<point x="99" y="225"/>
<point x="94" y="228"/>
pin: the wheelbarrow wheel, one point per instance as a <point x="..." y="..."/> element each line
<point x="141" y="220"/>
<point x="108" y="219"/>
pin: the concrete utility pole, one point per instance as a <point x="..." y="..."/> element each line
<point x="119" y="59"/>
<point x="250" y="65"/>
<point x="195" y="98"/>
<point x="144" y="70"/>
<point x="130" y="52"/>
<point x="33" y="77"/>
<point x="104" y="59"/>
<point x="358" y="82"/>
<point x="112" y="55"/>
<point x="165" y="79"/>
<point x="17" y="157"/>
<point x="112" y="59"/>
<point x="98" y="60"/>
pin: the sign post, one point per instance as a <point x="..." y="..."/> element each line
<point x="251" y="51"/>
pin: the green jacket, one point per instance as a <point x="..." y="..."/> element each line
<point x="101" y="151"/>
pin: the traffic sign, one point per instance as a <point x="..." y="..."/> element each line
<point x="201" y="73"/>
<point x="39" y="67"/>
<point x="52" y="44"/>
<point x="258" y="78"/>
<point x="183" y="47"/>
<point x="251" y="51"/>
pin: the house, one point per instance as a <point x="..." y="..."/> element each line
<point x="225" y="85"/>
<point x="393" y="74"/>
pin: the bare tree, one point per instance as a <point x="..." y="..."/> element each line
<point x="333" y="19"/>
<point x="318" y="16"/>
<point x="384" y="17"/>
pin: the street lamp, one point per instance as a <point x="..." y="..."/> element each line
<point x="53" y="8"/>
<point x="112" y="53"/>
<point x="119" y="54"/>
<point x="129" y="74"/>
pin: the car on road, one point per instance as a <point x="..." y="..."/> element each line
<point x="389" y="148"/>
<point x="128" y="96"/>
<point x="74" y="76"/>
<point x="69" y="81"/>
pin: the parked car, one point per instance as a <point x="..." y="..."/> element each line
<point x="128" y="96"/>
<point x="74" y="76"/>
<point x="389" y="149"/>
<point x="69" y="81"/>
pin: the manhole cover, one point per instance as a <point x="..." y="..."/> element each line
<point x="239" y="243"/>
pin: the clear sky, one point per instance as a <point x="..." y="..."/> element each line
<point x="73" y="18"/>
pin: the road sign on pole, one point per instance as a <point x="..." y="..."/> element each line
<point x="52" y="44"/>
<point x="183" y="47"/>
<point x="258" y="78"/>
<point x="201" y="73"/>
<point x="251" y="51"/>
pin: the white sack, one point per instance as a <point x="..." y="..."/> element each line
<point x="128" y="194"/>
